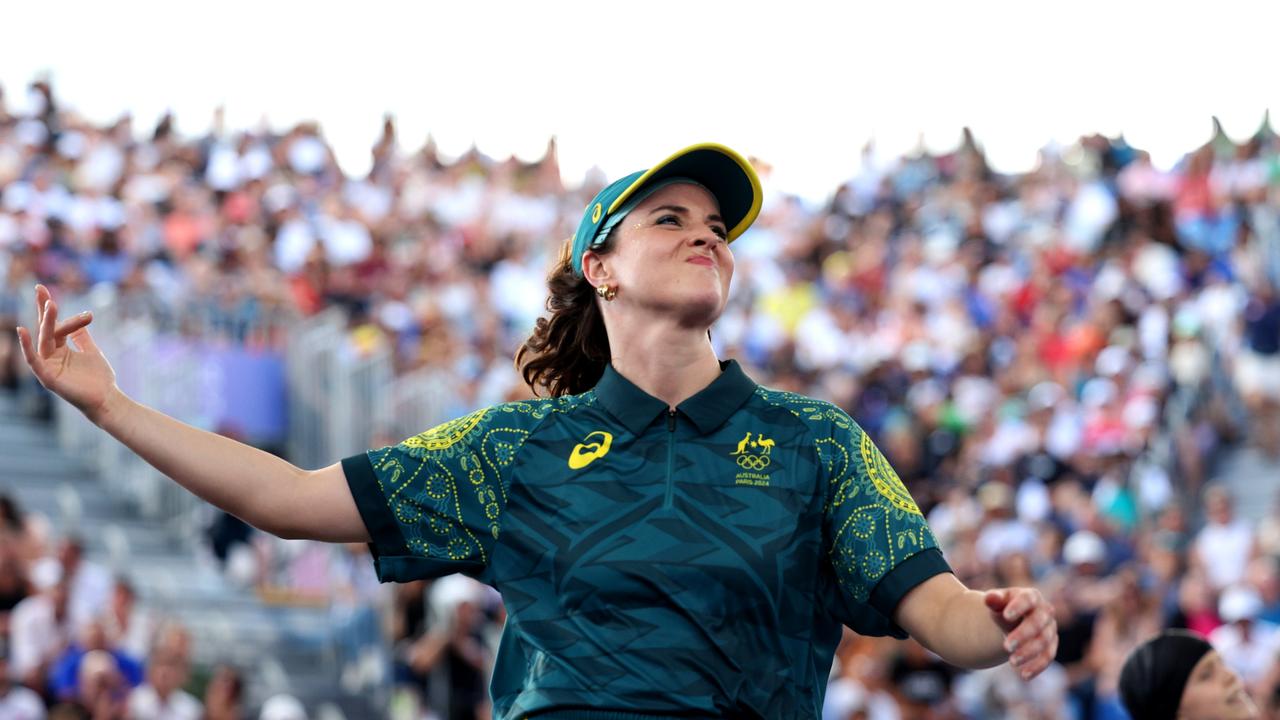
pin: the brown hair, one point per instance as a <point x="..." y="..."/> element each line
<point x="567" y="353"/>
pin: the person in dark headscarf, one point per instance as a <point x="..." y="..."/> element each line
<point x="1177" y="674"/>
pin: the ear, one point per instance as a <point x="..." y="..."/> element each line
<point x="595" y="269"/>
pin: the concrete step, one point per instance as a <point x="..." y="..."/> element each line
<point x="21" y="462"/>
<point x="25" y="436"/>
<point x="66" y="502"/>
<point x="1254" y="480"/>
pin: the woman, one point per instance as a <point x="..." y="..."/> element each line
<point x="1177" y="674"/>
<point x="669" y="538"/>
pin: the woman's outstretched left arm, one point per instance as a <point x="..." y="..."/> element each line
<point x="975" y="629"/>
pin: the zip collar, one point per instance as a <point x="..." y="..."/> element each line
<point x="708" y="409"/>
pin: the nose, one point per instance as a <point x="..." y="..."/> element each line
<point x="707" y="236"/>
<point x="1233" y="680"/>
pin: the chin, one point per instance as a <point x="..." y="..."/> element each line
<point x="701" y="308"/>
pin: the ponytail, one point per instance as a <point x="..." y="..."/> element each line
<point x="567" y="352"/>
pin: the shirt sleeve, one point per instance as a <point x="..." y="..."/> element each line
<point x="433" y="503"/>
<point x="879" y="545"/>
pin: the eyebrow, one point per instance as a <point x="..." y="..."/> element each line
<point x="683" y="211"/>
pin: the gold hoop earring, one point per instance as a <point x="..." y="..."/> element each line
<point x="608" y="292"/>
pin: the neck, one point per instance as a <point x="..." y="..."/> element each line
<point x="669" y="363"/>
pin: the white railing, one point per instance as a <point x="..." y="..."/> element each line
<point x="337" y="397"/>
<point x="340" y="401"/>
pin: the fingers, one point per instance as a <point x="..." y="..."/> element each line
<point x="1032" y="658"/>
<point x="42" y="297"/>
<point x="1032" y="627"/>
<point x="71" y="326"/>
<point x="1019" y="604"/>
<point x="46" y="341"/>
<point x="29" y="352"/>
<point x="996" y="599"/>
<point x="47" y="316"/>
<point x="83" y="339"/>
<point x="1034" y="643"/>
<point x="1032" y="640"/>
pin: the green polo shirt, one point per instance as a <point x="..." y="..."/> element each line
<point x="654" y="563"/>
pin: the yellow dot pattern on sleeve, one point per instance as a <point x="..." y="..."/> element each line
<point x="445" y="485"/>
<point x="876" y="523"/>
<point x="885" y="478"/>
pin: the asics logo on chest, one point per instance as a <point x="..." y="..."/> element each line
<point x="587" y="451"/>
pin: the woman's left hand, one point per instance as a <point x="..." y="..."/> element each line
<point x="1031" y="632"/>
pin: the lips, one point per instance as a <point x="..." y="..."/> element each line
<point x="702" y="260"/>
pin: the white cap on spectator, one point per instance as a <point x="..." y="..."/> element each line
<point x="450" y="591"/>
<point x="1098" y="392"/>
<point x="45" y="573"/>
<point x="31" y="132"/>
<point x="1033" y="501"/>
<point x="915" y="357"/>
<point x="1112" y="361"/>
<point x="1045" y="395"/>
<point x="1140" y="412"/>
<point x="1084" y="546"/>
<point x="1239" y="602"/>
<point x="72" y="144"/>
<point x="282" y="707"/>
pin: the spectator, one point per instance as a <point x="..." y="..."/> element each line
<point x="128" y="626"/>
<point x="41" y="626"/>
<point x="224" y="695"/>
<point x="65" y="672"/>
<point x="282" y="707"/>
<point x="16" y="701"/>
<point x="161" y="697"/>
<point x="89" y="583"/>
<point x="922" y="683"/>
<point x="1225" y="544"/>
<point x="453" y="653"/>
<point x="1128" y="618"/>
<point x="1258" y="366"/>
<point x="1002" y="532"/>
<point x="1196" y="609"/>
<point x="13" y="581"/>
<point x="1247" y="644"/>
<point x="21" y="532"/>
<point x="1081" y="600"/>
<point x="100" y="687"/>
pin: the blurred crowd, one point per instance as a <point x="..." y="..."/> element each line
<point x="75" y="643"/>
<point x="1053" y="361"/>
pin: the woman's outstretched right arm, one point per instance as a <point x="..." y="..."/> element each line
<point x="255" y="486"/>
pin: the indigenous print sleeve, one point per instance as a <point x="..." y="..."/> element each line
<point x="879" y="544"/>
<point x="433" y="503"/>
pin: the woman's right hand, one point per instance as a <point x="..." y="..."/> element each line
<point x="80" y="375"/>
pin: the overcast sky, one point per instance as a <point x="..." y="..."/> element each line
<point x="803" y="85"/>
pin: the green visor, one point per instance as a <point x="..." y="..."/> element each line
<point x="723" y="172"/>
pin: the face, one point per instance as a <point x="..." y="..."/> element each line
<point x="122" y="599"/>
<point x="1219" y="508"/>
<point x="1215" y="692"/>
<point x="69" y="554"/>
<point x="166" y="672"/>
<point x="671" y="256"/>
